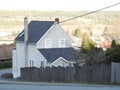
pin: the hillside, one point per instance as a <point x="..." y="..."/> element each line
<point x="11" y="22"/>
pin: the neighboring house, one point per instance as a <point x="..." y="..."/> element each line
<point x="76" y="42"/>
<point x="45" y="43"/>
<point x="5" y="52"/>
<point x="105" y="43"/>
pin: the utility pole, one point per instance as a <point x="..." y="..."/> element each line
<point x="26" y="40"/>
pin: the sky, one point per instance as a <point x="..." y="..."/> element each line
<point x="63" y="5"/>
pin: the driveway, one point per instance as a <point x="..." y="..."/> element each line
<point x="3" y="71"/>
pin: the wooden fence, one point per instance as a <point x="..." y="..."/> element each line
<point x="98" y="73"/>
<point x="115" y="73"/>
<point x="58" y="74"/>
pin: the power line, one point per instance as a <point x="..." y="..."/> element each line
<point x="75" y="17"/>
<point x="6" y="40"/>
<point x="89" y="13"/>
<point x="9" y="35"/>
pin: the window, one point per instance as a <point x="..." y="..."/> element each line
<point x="70" y="64"/>
<point x="48" y="43"/>
<point x="31" y="63"/>
<point x="61" y="43"/>
<point x="42" y="63"/>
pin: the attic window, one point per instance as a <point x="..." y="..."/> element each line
<point x="21" y="34"/>
<point x="48" y="43"/>
<point x="61" y="43"/>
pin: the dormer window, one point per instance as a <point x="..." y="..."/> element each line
<point x="48" y="43"/>
<point x="61" y="43"/>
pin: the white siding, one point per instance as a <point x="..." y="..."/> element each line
<point x="61" y="43"/>
<point x="14" y="65"/>
<point x="55" y="33"/>
<point x="19" y="61"/>
<point x="60" y="62"/>
<point x="35" y="56"/>
<point x="48" y="43"/>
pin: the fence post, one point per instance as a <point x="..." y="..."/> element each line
<point x="113" y="72"/>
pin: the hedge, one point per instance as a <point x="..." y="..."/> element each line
<point x="6" y="64"/>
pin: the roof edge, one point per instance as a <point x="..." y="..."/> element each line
<point x="47" y="32"/>
<point x="60" y="58"/>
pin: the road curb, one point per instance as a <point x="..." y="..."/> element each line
<point x="10" y="82"/>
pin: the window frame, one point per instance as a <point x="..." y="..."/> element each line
<point x="31" y="63"/>
<point x="42" y="63"/>
<point x="48" y="45"/>
<point x="61" y="43"/>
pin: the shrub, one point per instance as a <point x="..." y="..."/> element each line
<point x="113" y="54"/>
<point x="6" y="64"/>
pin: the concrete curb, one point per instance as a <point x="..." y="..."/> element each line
<point x="10" y="82"/>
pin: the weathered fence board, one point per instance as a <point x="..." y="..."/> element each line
<point x="115" y="73"/>
<point x="97" y="73"/>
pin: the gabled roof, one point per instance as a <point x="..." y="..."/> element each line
<point x="36" y="29"/>
<point x="53" y="54"/>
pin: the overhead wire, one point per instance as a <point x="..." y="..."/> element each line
<point x="74" y="17"/>
<point x="90" y="12"/>
<point x="6" y="40"/>
<point x="9" y="35"/>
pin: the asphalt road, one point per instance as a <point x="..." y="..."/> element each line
<point x="45" y="86"/>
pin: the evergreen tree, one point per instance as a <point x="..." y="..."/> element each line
<point x="113" y="54"/>
<point x="90" y="50"/>
<point x="87" y="44"/>
<point x="113" y="43"/>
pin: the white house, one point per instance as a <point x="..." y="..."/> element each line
<point x="41" y="44"/>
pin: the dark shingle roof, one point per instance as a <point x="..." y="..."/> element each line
<point x="36" y="29"/>
<point x="53" y="54"/>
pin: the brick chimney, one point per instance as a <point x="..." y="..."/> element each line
<point x="57" y="20"/>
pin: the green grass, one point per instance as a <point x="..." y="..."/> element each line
<point x="6" y="64"/>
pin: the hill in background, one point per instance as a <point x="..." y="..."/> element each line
<point x="11" y="22"/>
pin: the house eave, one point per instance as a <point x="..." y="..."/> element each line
<point x="47" y="32"/>
<point x="23" y="42"/>
<point x="59" y="59"/>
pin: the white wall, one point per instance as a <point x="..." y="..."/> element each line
<point x="14" y="65"/>
<point x="60" y="62"/>
<point x="55" y="33"/>
<point x="19" y="58"/>
<point x="35" y="56"/>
